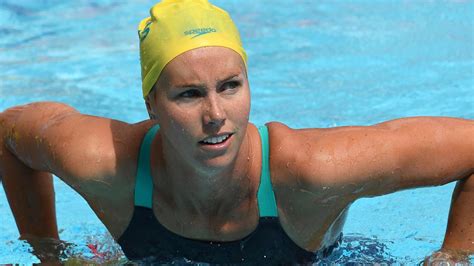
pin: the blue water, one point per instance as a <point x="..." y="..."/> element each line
<point x="311" y="64"/>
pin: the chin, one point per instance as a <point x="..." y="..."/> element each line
<point x="219" y="162"/>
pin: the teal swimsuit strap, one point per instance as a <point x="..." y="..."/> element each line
<point x="143" y="182"/>
<point x="265" y="196"/>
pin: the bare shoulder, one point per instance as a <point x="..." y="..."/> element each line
<point x="316" y="158"/>
<point x="377" y="159"/>
<point x="110" y="189"/>
<point x="331" y="157"/>
<point x="290" y="150"/>
<point x="76" y="147"/>
<point x="306" y="198"/>
<point x="101" y="166"/>
<point x="89" y="147"/>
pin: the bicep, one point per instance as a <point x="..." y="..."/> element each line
<point x="55" y="138"/>
<point x="80" y="147"/>
<point x="387" y="157"/>
<point x="429" y="151"/>
<point x="358" y="160"/>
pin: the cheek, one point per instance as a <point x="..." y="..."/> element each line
<point x="244" y="112"/>
<point x="177" y="124"/>
<point x="181" y="121"/>
<point x="243" y="108"/>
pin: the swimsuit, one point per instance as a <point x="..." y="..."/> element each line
<point x="147" y="240"/>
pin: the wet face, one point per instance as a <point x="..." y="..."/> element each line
<point x="202" y="103"/>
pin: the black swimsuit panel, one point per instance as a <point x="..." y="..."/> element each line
<point x="147" y="240"/>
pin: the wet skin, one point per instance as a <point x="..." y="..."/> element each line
<point x="208" y="192"/>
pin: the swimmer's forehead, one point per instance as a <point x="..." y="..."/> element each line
<point x="203" y="65"/>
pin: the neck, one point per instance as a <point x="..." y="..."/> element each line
<point x="209" y="191"/>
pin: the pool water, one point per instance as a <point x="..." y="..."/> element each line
<point x="311" y="64"/>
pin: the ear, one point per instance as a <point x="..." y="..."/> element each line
<point x="149" y="99"/>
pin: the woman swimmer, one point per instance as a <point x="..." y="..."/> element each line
<point x="206" y="184"/>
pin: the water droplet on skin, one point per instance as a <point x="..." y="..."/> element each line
<point x="324" y="201"/>
<point x="358" y="190"/>
<point x="307" y="191"/>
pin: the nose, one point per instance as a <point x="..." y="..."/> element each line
<point x="214" y="114"/>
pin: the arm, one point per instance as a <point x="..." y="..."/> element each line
<point x="460" y="230"/>
<point x="91" y="154"/>
<point x="30" y="195"/>
<point x="334" y="167"/>
<point x="459" y="238"/>
<point x="380" y="159"/>
<point x="41" y="134"/>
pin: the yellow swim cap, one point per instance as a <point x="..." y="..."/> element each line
<point x="177" y="26"/>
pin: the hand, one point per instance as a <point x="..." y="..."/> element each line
<point x="447" y="257"/>
<point x="49" y="251"/>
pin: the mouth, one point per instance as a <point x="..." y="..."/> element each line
<point x="216" y="140"/>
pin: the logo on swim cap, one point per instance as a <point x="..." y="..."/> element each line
<point x="199" y="31"/>
<point x="142" y="34"/>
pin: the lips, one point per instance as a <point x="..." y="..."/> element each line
<point x="216" y="140"/>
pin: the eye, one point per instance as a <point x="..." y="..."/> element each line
<point x="193" y="93"/>
<point x="231" y="85"/>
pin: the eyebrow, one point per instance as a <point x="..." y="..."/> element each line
<point x="201" y="85"/>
